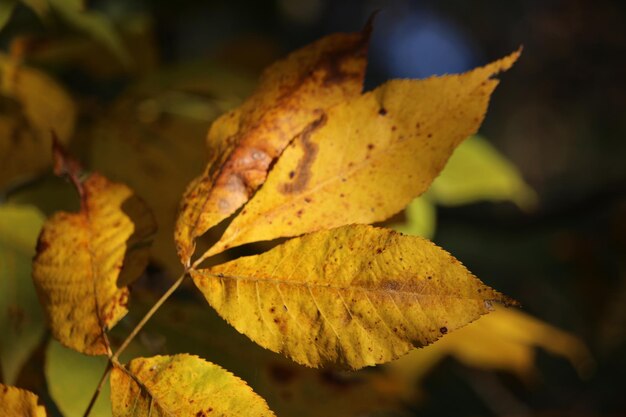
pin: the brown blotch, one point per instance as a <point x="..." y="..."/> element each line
<point x="42" y="244"/>
<point x="382" y="111"/>
<point x="370" y="146"/>
<point x="302" y="173"/>
<point x="443" y="330"/>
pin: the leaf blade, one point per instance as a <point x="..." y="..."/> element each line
<point x="370" y="157"/>
<point x="291" y="95"/>
<point x="16" y="402"/>
<point x="21" y="318"/>
<point x="181" y="385"/>
<point x="80" y="259"/>
<point x="382" y="292"/>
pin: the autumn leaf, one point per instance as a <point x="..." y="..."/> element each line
<point x="181" y="385"/>
<point x="353" y="296"/>
<point x="504" y="340"/>
<point x="366" y="158"/>
<point x="85" y="260"/>
<point x="289" y="389"/>
<point x="21" y="318"/>
<point x="40" y="106"/>
<point x="15" y="402"/>
<point x="291" y="97"/>
<point x="150" y="139"/>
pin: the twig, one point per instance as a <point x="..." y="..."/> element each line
<point x="96" y="393"/>
<point x="148" y="315"/>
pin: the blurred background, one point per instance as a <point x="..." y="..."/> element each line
<point x="146" y="78"/>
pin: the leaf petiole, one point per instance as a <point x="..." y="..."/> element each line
<point x="148" y="315"/>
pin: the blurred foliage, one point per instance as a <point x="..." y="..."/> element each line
<point x="153" y="118"/>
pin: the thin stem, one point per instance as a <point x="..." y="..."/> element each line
<point x="148" y="315"/>
<point x="95" y="395"/>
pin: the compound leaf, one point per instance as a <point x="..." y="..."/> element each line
<point x="78" y="267"/>
<point x="367" y="158"/>
<point x="292" y="94"/>
<point x="352" y="296"/>
<point x="15" y="402"/>
<point x="181" y="385"/>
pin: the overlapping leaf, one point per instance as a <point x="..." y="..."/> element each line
<point x="84" y="261"/>
<point x="152" y="139"/>
<point x="15" y="402"/>
<point x="21" y="318"/>
<point x="291" y="97"/>
<point x="366" y="158"/>
<point x="181" y="385"/>
<point x="352" y="296"/>
<point x="33" y="104"/>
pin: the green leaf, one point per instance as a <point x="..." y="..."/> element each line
<point x="21" y="318"/>
<point x="72" y="379"/>
<point x="6" y="11"/>
<point x="477" y="171"/>
<point x="94" y="24"/>
<point x="421" y="219"/>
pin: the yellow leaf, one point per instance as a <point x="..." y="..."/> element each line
<point x="43" y="106"/>
<point x="289" y="389"/>
<point x="151" y="139"/>
<point x="78" y="267"/>
<point x="503" y="340"/>
<point x="21" y="318"/>
<point x="182" y="385"/>
<point x="15" y="402"/>
<point x="366" y="158"/>
<point x="292" y="94"/>
<point x="477" y="171"/>
<point x="353" y="296"/>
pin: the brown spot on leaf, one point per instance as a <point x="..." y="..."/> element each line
<point x="302" y="174"/>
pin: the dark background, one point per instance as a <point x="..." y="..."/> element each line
<point x="559" y="115"/>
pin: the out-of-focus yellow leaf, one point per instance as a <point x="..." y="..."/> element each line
<point x="421" y="219"/>
<point x="21" y="319"/>
<point x="292" y="94"/>
<point x="84" y="261"/>
<point x="152" y="139"/>
<point x="72" y="378"/>
<point x="182" y="385"/>
<point x="504" y="340"/>
<point x="6" y="11"/>
<point x="477" y="171"/>
<point x="32" y="106"/>
<point x="353" y="296"/>
<point x="288" y="388"/>
<point x="15" y="402"/>
<point x="366" y="158"/>
<point x="94" y="24"/>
